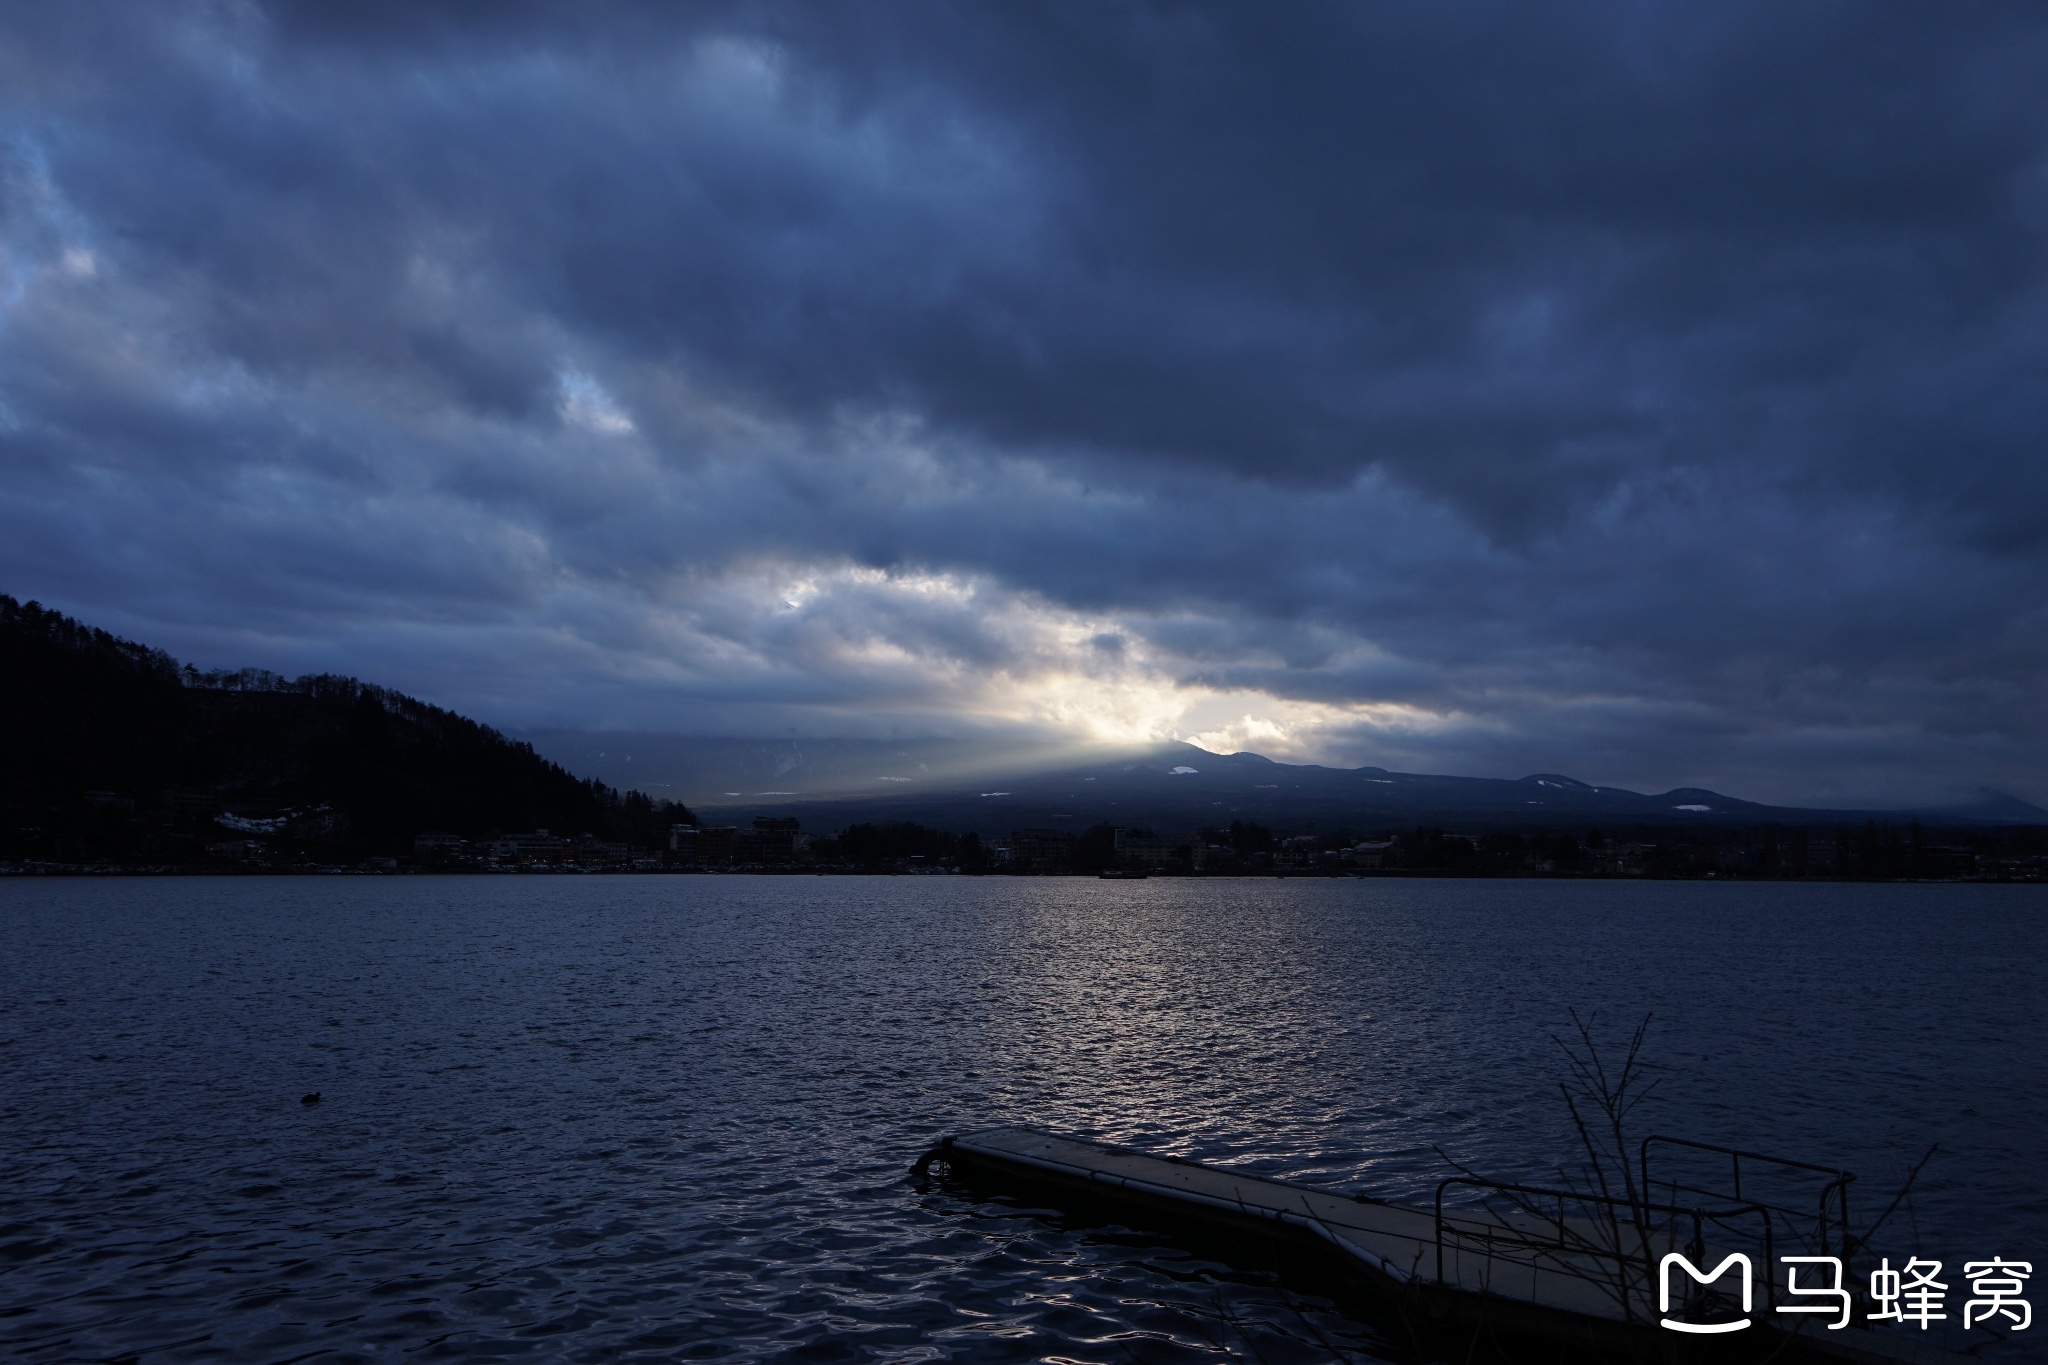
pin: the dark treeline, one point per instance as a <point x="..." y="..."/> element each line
<point x="112" y="752"/>
<point x="1872" y="851"/>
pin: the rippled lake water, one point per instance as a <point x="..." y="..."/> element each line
<point x="671" y="1117"/>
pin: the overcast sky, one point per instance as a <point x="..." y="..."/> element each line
<point x="1650" y="392"/>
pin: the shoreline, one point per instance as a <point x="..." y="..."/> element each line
<point x="31" y="870"/>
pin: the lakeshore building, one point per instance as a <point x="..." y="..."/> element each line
<point x="1370" y="853"/>
<point x="1145" y="852"/>
<point x="588" y="848"/>
<point x="1297" y="851"/>
<point x="439" y="846"/>
<point x="1037" y="850"/>
<point x="769" y="840"/>
<point x="716" y="843"/>
<point x="537" y="847"/>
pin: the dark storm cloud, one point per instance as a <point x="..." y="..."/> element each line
<point x="1644" y="391"/>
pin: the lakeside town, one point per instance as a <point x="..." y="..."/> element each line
<point x="780" y="845"/>
<point x="769" y="843"/>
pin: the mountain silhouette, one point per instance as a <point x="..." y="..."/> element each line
<point x="111" y="750"/>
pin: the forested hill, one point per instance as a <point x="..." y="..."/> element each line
<point x="111" y="751"/>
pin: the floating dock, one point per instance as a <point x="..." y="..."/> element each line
<point x="1459" y="1282"/>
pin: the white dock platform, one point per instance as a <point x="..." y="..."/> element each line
<point x="1573" y="1305"/>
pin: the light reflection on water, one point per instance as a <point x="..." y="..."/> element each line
<point x="670" y="1117"/>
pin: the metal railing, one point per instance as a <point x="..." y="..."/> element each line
<point x="1553" y="1240"/>
<point x="1830" y="1225"/>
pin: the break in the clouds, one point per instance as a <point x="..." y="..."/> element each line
<point x="1652" y="392"/>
